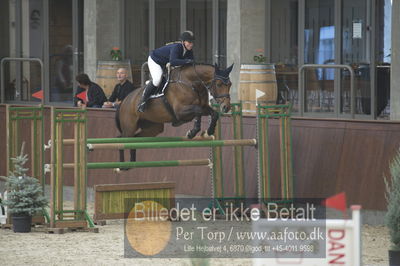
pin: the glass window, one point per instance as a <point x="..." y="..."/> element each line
<point x="199" y="20"/>
<point x="383" y="42"/>
<point x="319" y="22"/>
<point x="167" y="21"/>
<point x="137" y="35"/>
<point x="384" y="30"/>
<point x="4" y="29"/>
<point x="25" y="36"/>
<point x="5" y="44"/>
<point x="354" y="53"/>
<point x="61" y="51"/>
<point x="319" y="48"/>
<point x="284" y="31"/>
<point x="284" y="43"/>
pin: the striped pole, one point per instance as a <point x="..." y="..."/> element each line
<point x="139" y="139"/>
<point x="175" y="144"/>
<point x="108" y="165"/>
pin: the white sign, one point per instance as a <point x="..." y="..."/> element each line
<point x="357" y="30"/>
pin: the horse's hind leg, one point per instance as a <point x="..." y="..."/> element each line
<point x="133" y="155"/>
<point x="121" y="156"/>
<point x="196" y="128"/>
<point x="128" y="131"/>
<point x="148" y="129"/>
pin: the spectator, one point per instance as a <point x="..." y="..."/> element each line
<point x="95" y="96"/>
<point x="121" y="90"/>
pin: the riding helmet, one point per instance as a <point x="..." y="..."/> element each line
<point x="187" y="36"/>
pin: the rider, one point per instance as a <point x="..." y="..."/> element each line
<point x="177" y="54"/>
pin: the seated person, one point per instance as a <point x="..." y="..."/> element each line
<point x="95" y="96"/>
<point x="121" y="90"/>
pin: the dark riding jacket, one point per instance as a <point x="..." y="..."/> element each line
<point x="173" y="53"/>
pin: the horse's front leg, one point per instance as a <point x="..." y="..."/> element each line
<point x="214" y="118"/>
<point x="121" y="156"/>
<point x="196" y="127"/>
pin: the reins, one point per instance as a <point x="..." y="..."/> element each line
<point x="212" y="84"/>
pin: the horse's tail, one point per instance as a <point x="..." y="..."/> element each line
<point x="117" y="120"/>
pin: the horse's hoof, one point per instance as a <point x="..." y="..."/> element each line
<point x="205" y="134"/>
<point x="121" y="169"/>
<point x="189" y="134"/>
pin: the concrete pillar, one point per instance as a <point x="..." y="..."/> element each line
<point x="246" y="33"/>
<point x="233" y="43"/>
<point x="395" y="67"/>
<point x="252" y="29"/>
<point x="90" y="38"/>
<point x="102" y="32"/>
<point x="108" y="27"/>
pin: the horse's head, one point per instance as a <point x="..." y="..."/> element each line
<point x="220" y="87"/>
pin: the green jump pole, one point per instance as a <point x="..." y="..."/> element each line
<point x="148" y="164"/>
<point x="138" y="139"/>
<point x="176" y="144"/>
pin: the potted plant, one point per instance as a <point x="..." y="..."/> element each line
<point x="259" y="58"/>
<point x="25" y="195"/>
<point x="116" y="54"/>
<point x="392" y="217"/>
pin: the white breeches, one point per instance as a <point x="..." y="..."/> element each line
<point x="155" y="71"/>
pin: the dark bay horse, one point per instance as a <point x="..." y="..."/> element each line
<point x="186" y="98"/>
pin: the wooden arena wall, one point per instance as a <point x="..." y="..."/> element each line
<point x="330" y="156"/>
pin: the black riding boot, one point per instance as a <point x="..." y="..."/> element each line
<point x="148" y="90"/>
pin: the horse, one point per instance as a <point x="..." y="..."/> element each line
<point x="185" y="98"/>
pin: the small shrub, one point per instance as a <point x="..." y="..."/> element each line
<point x="25" y="196"/>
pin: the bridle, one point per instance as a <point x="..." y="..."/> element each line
<point x="211" y="87"/>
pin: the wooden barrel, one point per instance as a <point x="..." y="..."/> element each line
<point x="106" y="75"/>
<point x="257" y="80"/>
